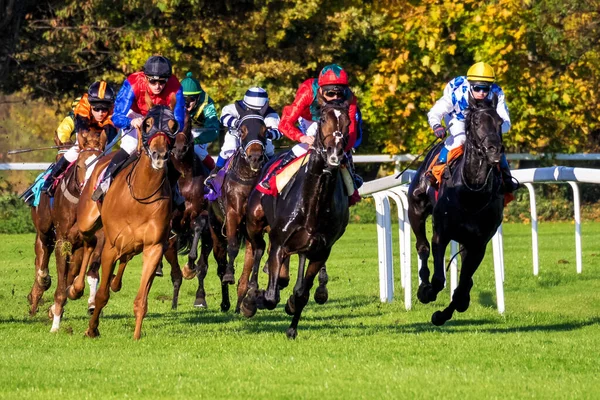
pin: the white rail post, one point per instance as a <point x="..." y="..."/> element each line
<point x="384" y="239"/>
<point x="577" y="212"/>
<point x="534" y="229"/>
<point x="453" y="268"/>
<point x="405" y="248"/>
<point x="497" y="249"/>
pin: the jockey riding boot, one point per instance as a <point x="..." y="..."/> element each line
<point x="510" y="185"/>
<point x="209" y="162"/>
<point x="58" y="168"/>
<point x="213" y="175"/>
<point x="288" y="158"/>
<point x="117" y="161"/>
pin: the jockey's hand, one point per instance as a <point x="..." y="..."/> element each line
<point x="439" y="131"/>
<point x="307" y="139"/>
<point x="137" y="122"/>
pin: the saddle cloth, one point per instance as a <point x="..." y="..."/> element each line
<point x="283" y="177"/>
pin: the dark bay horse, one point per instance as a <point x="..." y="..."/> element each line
<point x="306" y="219"/>
<point x="227" y="213"/>
<point x="135" y="213"/>
<point x="468" y="209"/>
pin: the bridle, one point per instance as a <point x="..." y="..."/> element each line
<point x="338" y="135"/>
<point x="245" y="146"/>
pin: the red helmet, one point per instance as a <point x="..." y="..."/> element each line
<point x="333" y="74"/>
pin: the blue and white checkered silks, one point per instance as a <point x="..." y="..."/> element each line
<point x="256" y="98"/>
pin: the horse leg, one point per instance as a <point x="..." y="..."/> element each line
<point x="151" y="257"/>
<point x="202" y="267"/>
<point x="220" y="254"/>
<point x="233" y="247"/>
<point x="417" y="223"/>
<point x="284" y="274"/>
<point x="243" y="282"/>
<point x="276" y="256"/>
<point x="107" y="266"/>
<point x="257" y="245"/>
<point x="42" y="281"/>
<point x="471" y="258"/>
<point x="75" y="290"/>
<point x="301" y="295"/>
<point x="116" y="281"/>
<point x="60" y="294"/>
<point x="176" y="276"/>
<point x="439" y="245"/>
<point x="290" y="307"/>
<point x="92" y="275"/>
<point x="321" y="294"/>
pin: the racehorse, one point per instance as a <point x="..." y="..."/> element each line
<point x="306" y="219"/>
<point x="227" y="213"/>
<point x="64" y="216"/>
<point x="135" y="212"/>
<point x="468" y="208"/>
<point x="191" y="225"/>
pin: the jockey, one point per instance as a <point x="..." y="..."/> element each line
<point x="331" y="86"/>
<point x="452" y="106"/>
<point x="66" y="128"/>
<point x="93" y="110"/>
<point x="157" y="81"/>
<point x="255" y="99"/>
<point x="203" y="116"/>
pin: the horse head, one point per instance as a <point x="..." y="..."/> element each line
<point x="252" y="133"/>
<point x="334" y="128"/>
<point x="184" y="141"/>
<point x="91" y="143"/>
<point x="484" y="129"/>
<point x="158" y="132"/>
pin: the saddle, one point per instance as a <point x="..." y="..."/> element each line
<point x="282" y="177"/>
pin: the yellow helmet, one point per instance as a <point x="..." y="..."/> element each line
<point x="481" y="72"/>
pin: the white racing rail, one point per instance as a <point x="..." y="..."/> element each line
<point x="388" y="188"/>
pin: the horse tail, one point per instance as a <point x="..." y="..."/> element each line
<point x="184" y="242"/>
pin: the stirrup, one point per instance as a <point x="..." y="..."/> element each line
<point x="101" y="189"/>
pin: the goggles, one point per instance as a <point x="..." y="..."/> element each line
<point x="481" y="88"/>
<point x="156" y="80"/>
<point x="333" y="93"/>
<point x="100" y="108"/>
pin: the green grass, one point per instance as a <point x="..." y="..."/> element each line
<point x="545" y="346"/>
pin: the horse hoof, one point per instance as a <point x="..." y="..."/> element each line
<point x="92" y="333"/>
<point x="225" y="307"/>
<point x="188" y="273"/>
<point x="321" y="295"/>
<point x="425" y="293"/>
<point x="248" y="307"/>
<point x="72" y="294"/>
<point x="291" y="333"/>
<point x="290" y="307"/>
<point x="200" y="303"/>
<point x="438" y="318"/>
<point x="228" y="279"/>
<point x="91" y="310"/>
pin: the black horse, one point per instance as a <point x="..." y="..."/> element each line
<point x="306" y="219"/>
<point x="467" y="209"/>
<point x="227" y="213"/>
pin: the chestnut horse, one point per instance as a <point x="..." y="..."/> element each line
<point x="307" y="219"/>
<point x="64" y="216"/>
<point x="467" y="209"/>
<point x="135" y="213"/>
<point x="227" y="213"/>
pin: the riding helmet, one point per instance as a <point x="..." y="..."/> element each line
<point x="255" y="98"/>
<point x="158" y="67"/>
<point x="333" y="74"/>
<point x="481" y="72"/>
<point x="100" y="92"/>
<point x="190" y="85"/>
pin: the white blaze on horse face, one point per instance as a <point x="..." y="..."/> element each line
<point x="338" y="114"/>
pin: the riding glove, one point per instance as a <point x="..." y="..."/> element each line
<point x="439" y="131"/>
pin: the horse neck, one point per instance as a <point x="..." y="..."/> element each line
<point x="145" y="178"/>
<point x="185" y="166"/>
<point x="475" y="170"/>
<point x="319" y="188"/>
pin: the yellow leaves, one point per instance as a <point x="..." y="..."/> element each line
<point x="431" y="44"/>
<point x="566" y="98"/>
<point x="404" y="78"/>
<point x="435" y="68"/>
<point x="425" y="61"/>
<point x="451" y="49"/>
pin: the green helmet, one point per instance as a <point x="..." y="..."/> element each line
<point x="190" y="85"/>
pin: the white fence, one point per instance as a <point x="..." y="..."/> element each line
<point x="388" y="188"/>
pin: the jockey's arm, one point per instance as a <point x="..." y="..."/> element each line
<point x="290" y="114"/>
<point x="502" y="110"/>
<point x="125" y="99"/>
<point x="179" y="110"/>
<point x="229" y="116"/>
<point x="441" y="108"/>
<point x="272" y="122"/>
<point x="210" y="130"/>
<point x="352" y="131"/>
<point x="64" y="130"/>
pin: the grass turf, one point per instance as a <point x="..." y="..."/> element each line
<point x="545" y="346"/>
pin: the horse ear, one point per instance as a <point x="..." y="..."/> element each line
<point x="147" y="124"/>
<point x="149" y="102"/>
<point x="173" y="125"/>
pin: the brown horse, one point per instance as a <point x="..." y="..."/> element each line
<point x="135" y="213"/>
<point x="64" y="216"/>
<point x="191" y="225"/>
<point x="227" y="213"/>
<point x="307" y="219"/>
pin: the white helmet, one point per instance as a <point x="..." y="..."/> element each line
<point x="255" y="98"/>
